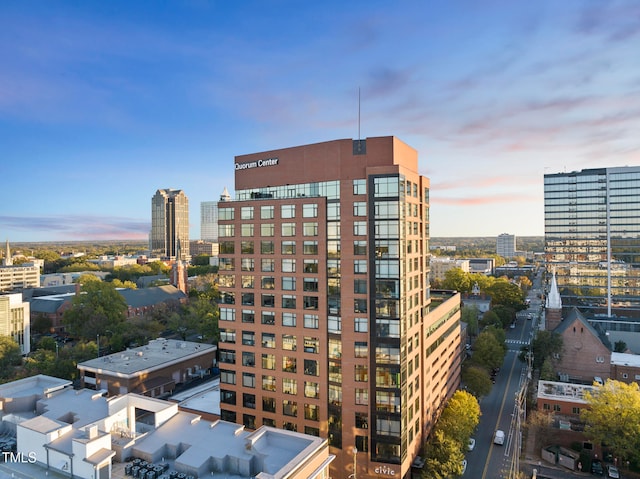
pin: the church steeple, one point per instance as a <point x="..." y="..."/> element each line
<point x="553" y="306"/>
<point x="8" y="261"/>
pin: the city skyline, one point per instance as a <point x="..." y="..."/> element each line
<point x="103" y="104"/>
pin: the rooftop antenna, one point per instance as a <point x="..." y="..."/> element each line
<point x="359" y="115"/>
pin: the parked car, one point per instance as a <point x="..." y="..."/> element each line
<point x="612" y="472"/>
<point x="464" y="466"/>
<point x="596" y="467"/>
<point x="472" y="444"/>
<point x="499" y="437"/>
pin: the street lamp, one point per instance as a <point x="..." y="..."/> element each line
<point x="98" y="342"/>
<point x="355" y="463"/>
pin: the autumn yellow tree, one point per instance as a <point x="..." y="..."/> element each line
<point x="613" y="418"/>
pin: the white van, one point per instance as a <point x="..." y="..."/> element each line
<point x="499" y="438"/>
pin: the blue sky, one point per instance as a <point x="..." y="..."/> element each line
<point x="102" y="103"/>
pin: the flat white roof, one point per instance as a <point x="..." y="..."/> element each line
<point x="563" y="391"/>
<point x="38" y="385"/>
<point x="156" y="354"/>
<point x="625" y="359"/>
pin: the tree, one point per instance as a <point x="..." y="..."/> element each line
<point x="117" y="283"/>
<point x="613" y="417"/>
<point x="41" y="324"/>
<point x="506" y="314"/>
<point x="98" y="309"/>
<point x="469" y="315"/>
<point x="443" y="457"/>
<point x="545" y="345"/>
<point x="457" y="279"/>
<point x="490" y="318"/>
<point x="620" y="346"/>
<point x="459" y="418"/>
<point x="477" y="380"/>
<point x="507" y="294"/>
<point x="547" y="371"/>
<point x="488" y="352"/>
<point x="10" y="356"/>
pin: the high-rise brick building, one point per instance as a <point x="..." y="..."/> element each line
<point x="327" y="322"/>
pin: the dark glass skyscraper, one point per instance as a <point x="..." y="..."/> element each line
<point x="592" y="239"/>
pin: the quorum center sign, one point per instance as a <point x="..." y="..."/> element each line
<point x="257" y="164"/>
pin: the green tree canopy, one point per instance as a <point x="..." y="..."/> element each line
<point x="457" y="279"/>
<point x="99" y="308"/>
<point x="488" y="351"/>
<point x="545" y="345"/>
<point x="469" y="315"/>
<point x="505" y="293"/>
<point x="10" y="356"/>
<point x="613" y="417"/>
<point x="477" y="380"/>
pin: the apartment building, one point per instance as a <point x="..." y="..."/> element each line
<point x="327" y="322"/>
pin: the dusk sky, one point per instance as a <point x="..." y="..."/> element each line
<point x="103" y="103"/>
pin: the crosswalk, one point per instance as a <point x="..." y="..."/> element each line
<point x="517" y="344"/>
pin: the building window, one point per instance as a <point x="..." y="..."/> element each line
<point x="248" y="420"/>
<point x="289" y="386"/>
<point x="248" y="281"/>
<point x="289" y="320"/>
<point x="311" y="367"/>
<point x="359" y="228"/>
<point x="359" y="248"/>
<point x="599" y="359"/>
<point x="268" y="383"/>
<point x="310" y="302"/>
<point x="248" y="264"/>
<point x="266" y="212"/>
<point x="333" y="211"/>
<point x="575" y="410"/>
<point x="311" y="390"/>
<point x="310" y="247"/>
<point x="288" y="247"/>
<point x="361" y="325"/>
<point x="288" y="301"/>
<point x="227" y="356"/>
<point x="361" y="349"/>
<point x="248" y="338"/>
<point x="228" y="336"/>
<point x="359" y="187"/>
<point x="311" y="321"/>
<point x="226" y="214"/>
<point x="362" y="397"/>
<point x="360" y="305"/>
<point x="288" y="211"/>
<point x="246" y="229"/>
<point x="268" y="404"/>
<point x="334" y="324"/>
<point x="249" y="380"/>
<point x="360" y="286"/>
<point x="227" y="377"/>
<point x="226" y="231"/>
<point x="268" y="300"/>
<point x="246" y="213"/>
<point x="248" y="316"/>
<point x="268" y="340"/>
<point x="288" y="265"/>
<point x="311" y="266"/>
<point x="361" y="373"/>
<point x="290" y="408"/>
<point x="246" y="247"/>
<point x="310" y="210"/>
<point x="289" y="283"/>
<point x="289" y="364"/>
<point x="310" y="284"/>
<point x="268" y="282"/>
<point x="248" y="359"/>
<point x="247" y="299"/>
<point x="267" y="229"/>
<point x="556" y="408"/>
<point x="227" y="397"/>
<point x="360" y="208"/>
<point x="311" y="345"/>
<point x="288" y="229"/>
<point x="289" y="342"/>
<point x="227" y="247"/>
<point x="268" y="317"/>
<point x="268" y="361"/>
<point x="227" y="314"/>
<point x="360" y="266"/>
<point x="310" y="229"/>
<point x="362" y="421"/>
<point x="267" y="265"/>
<point x="311" y="411"/>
